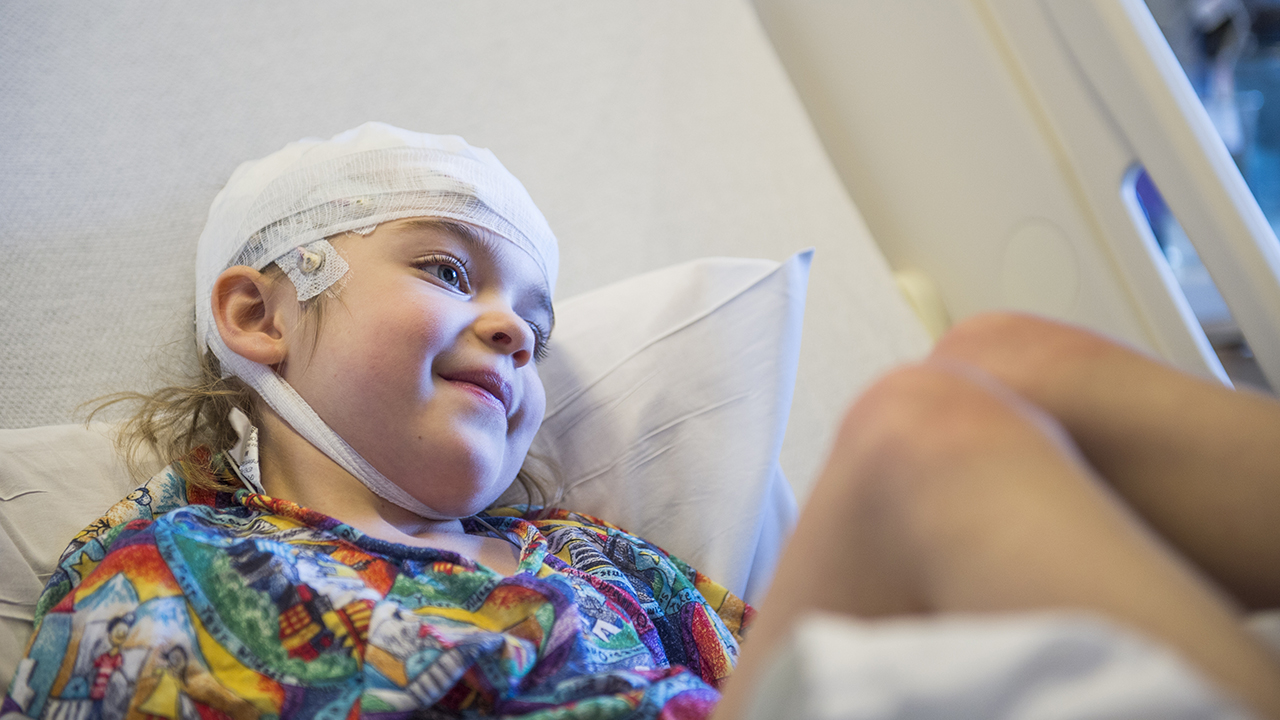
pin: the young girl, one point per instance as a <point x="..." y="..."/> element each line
<point x="372" y="308"/>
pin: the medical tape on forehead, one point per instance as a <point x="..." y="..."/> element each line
<point x="355" y="192"/>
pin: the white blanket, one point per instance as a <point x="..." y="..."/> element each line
<point x="1019" y="667"/>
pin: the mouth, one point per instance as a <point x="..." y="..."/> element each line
<point x="487" y="383"/>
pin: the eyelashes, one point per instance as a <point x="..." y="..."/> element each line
<point x="541" y="339"/>
<point x="450" y="270"/>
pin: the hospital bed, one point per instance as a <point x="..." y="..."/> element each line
<point x="651" y="135"/>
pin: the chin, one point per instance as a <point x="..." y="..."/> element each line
<point x="461" y="472"/>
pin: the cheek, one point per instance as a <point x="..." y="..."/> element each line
<point x="535" y="406"/>
<point x="542" y="404"/>
<point x="401" y="350"/>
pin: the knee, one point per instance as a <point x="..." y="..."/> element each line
<point x="1022" y="351"/>
<point x="918" y="419"/>
<point x="901" y="406"/>
<point x="918" y="444"/>
<point x="989" y="337"/>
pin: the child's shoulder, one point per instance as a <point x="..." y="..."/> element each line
<point x="549" y="517"/>
<point x="566" y="530"/>
<point x="182" y="483"/>
<point x="559" y="525"/>
<point x="669" y="585"/>
<point x="178" y="499"/>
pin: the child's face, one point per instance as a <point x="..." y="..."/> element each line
<point x="425" y="363"/>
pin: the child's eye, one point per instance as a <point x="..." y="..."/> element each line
<point x="447" y="269"/>
<point x="449" y="274"/>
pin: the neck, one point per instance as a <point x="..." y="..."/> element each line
<point x="295" y="470"/>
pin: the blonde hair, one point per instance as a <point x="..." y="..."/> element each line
<point x="176" y="420"/>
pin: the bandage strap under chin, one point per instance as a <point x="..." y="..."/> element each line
<point x="290" y="406"/>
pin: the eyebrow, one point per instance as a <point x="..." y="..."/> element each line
<point x="469" y="236"/>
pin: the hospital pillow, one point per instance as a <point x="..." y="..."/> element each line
<point x="667" y="398"/>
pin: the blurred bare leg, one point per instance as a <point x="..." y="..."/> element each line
<point x="1198" y="461"/>
<point x="947" y="492"/>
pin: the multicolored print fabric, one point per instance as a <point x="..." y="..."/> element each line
<point x="186" y="603"/>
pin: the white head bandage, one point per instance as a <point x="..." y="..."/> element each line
<point x="282" y="208"/>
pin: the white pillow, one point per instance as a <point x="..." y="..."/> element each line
<point x="667" y="398"/>
<point x="53" y="482"/>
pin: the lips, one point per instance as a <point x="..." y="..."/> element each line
<point x="491" y="382"/>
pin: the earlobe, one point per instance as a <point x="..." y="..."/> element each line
<point x="247" y="313"/>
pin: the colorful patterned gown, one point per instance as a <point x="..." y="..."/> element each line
<point x="186" y="603"/>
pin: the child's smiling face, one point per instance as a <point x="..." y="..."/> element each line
<point x="425" y="362"/>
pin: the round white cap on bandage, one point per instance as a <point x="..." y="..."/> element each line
<point x="282" y="208"/>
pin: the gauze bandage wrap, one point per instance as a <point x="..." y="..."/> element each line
<point x="282" y="208"/>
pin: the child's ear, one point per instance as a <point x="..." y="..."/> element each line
<point x="250" y="314"/>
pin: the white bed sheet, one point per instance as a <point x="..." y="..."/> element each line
<point x="1035" y="666"/>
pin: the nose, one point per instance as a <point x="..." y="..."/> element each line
<point x="507" y="333"/>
